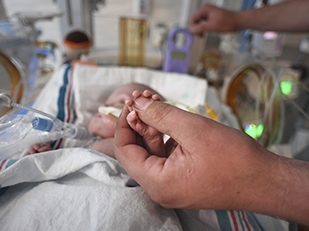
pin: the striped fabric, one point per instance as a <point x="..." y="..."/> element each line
<point x="6" y="163"/>
<point x="65" y="102"/>
<point x="238" y="221"/>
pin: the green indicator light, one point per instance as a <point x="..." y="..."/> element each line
<point x="286" y="87"/>
<point x="259" y="130"/>
<point x="250" y="129"/>
<point x="254" y="131"/>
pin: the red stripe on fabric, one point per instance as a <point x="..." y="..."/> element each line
<point x="58" y="144"/>
<point x="244" y="217"/>
<point x="2" y="164"/>
<point x="68" y="105"/>
<point x="234" y="221"/>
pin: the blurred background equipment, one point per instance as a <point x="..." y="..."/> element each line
<point x="178" y="50"/>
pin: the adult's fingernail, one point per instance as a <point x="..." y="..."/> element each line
<point x="141" y="103"/>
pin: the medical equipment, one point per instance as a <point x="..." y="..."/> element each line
<point x="11" y="80"/>
<point x="18" y="132"/>
<point x="271" y="104"/>
<point x="254" y="98"/>
<point x="177" y="56"/>
<point x="141" y="8"/>
<point x="209" y="68"/>
<point x="267" y="44"/>
<point x="25" y="63"/>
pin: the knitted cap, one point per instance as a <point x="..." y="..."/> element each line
<point x="77" y="40"/>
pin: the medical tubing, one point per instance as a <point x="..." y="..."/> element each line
<point x="268" y="108"/>
<point x="21" y="147"/>
<point x="6" y="100"/>
<point x="69" y="130"/>
<point x="55" y="120"/>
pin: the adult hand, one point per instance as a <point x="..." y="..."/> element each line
<point x="211" y="166"/>
<point x="277" y="17"/>
<point x="207" y="165"/>
<point x="210" y="18"/>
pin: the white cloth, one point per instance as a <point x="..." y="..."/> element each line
<point x="79" y="189"/>
<point x="76" y="189"/>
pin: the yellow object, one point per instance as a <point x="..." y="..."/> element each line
<point x="182" y="106"/>
<point x="210" y="113"/>
<point x="106" y="110"/>
<point x="133" y="34"/>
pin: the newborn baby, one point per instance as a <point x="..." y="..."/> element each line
<point x="103" y="123"/>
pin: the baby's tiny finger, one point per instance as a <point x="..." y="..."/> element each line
<point x="147" y="94"/>
<point x="156" y="97"/>
<point x="136" y="94"/>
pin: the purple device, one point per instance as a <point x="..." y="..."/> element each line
<point x="177" y="58"/>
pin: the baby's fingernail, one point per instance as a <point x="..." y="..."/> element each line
<point x="141" y="103"/>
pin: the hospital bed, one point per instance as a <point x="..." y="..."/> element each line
<point x="74" y="188"/>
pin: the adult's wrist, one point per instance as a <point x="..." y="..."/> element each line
<point x="295" y="206"/>
<point x="285" y="192"/>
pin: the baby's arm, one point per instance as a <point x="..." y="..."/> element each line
<point x="106" y="146"/>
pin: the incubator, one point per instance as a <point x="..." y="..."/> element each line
<point x="18" y="132"/>
<point x="26" y="63"/>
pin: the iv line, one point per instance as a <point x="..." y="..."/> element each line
<point x="6" y="100"/>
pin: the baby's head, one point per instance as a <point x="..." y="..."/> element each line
<point x="104" y="125"/>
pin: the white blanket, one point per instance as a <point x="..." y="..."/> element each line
<point x="78" y="189"/>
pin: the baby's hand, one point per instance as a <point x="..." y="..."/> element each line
<point x="38" y="148"/>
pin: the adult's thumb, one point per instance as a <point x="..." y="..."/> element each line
<point x="181" y="125"/>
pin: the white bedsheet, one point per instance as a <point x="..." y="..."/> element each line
<point x="78" y="189"/>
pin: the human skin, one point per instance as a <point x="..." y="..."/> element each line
<point x="105" y="146"/>
<point x="103" y="125"/>
<point x="288" y="16"/>
<point x="208" y="165"/>
<point x="38" y="148"/>
<point x="151" y="138"/>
